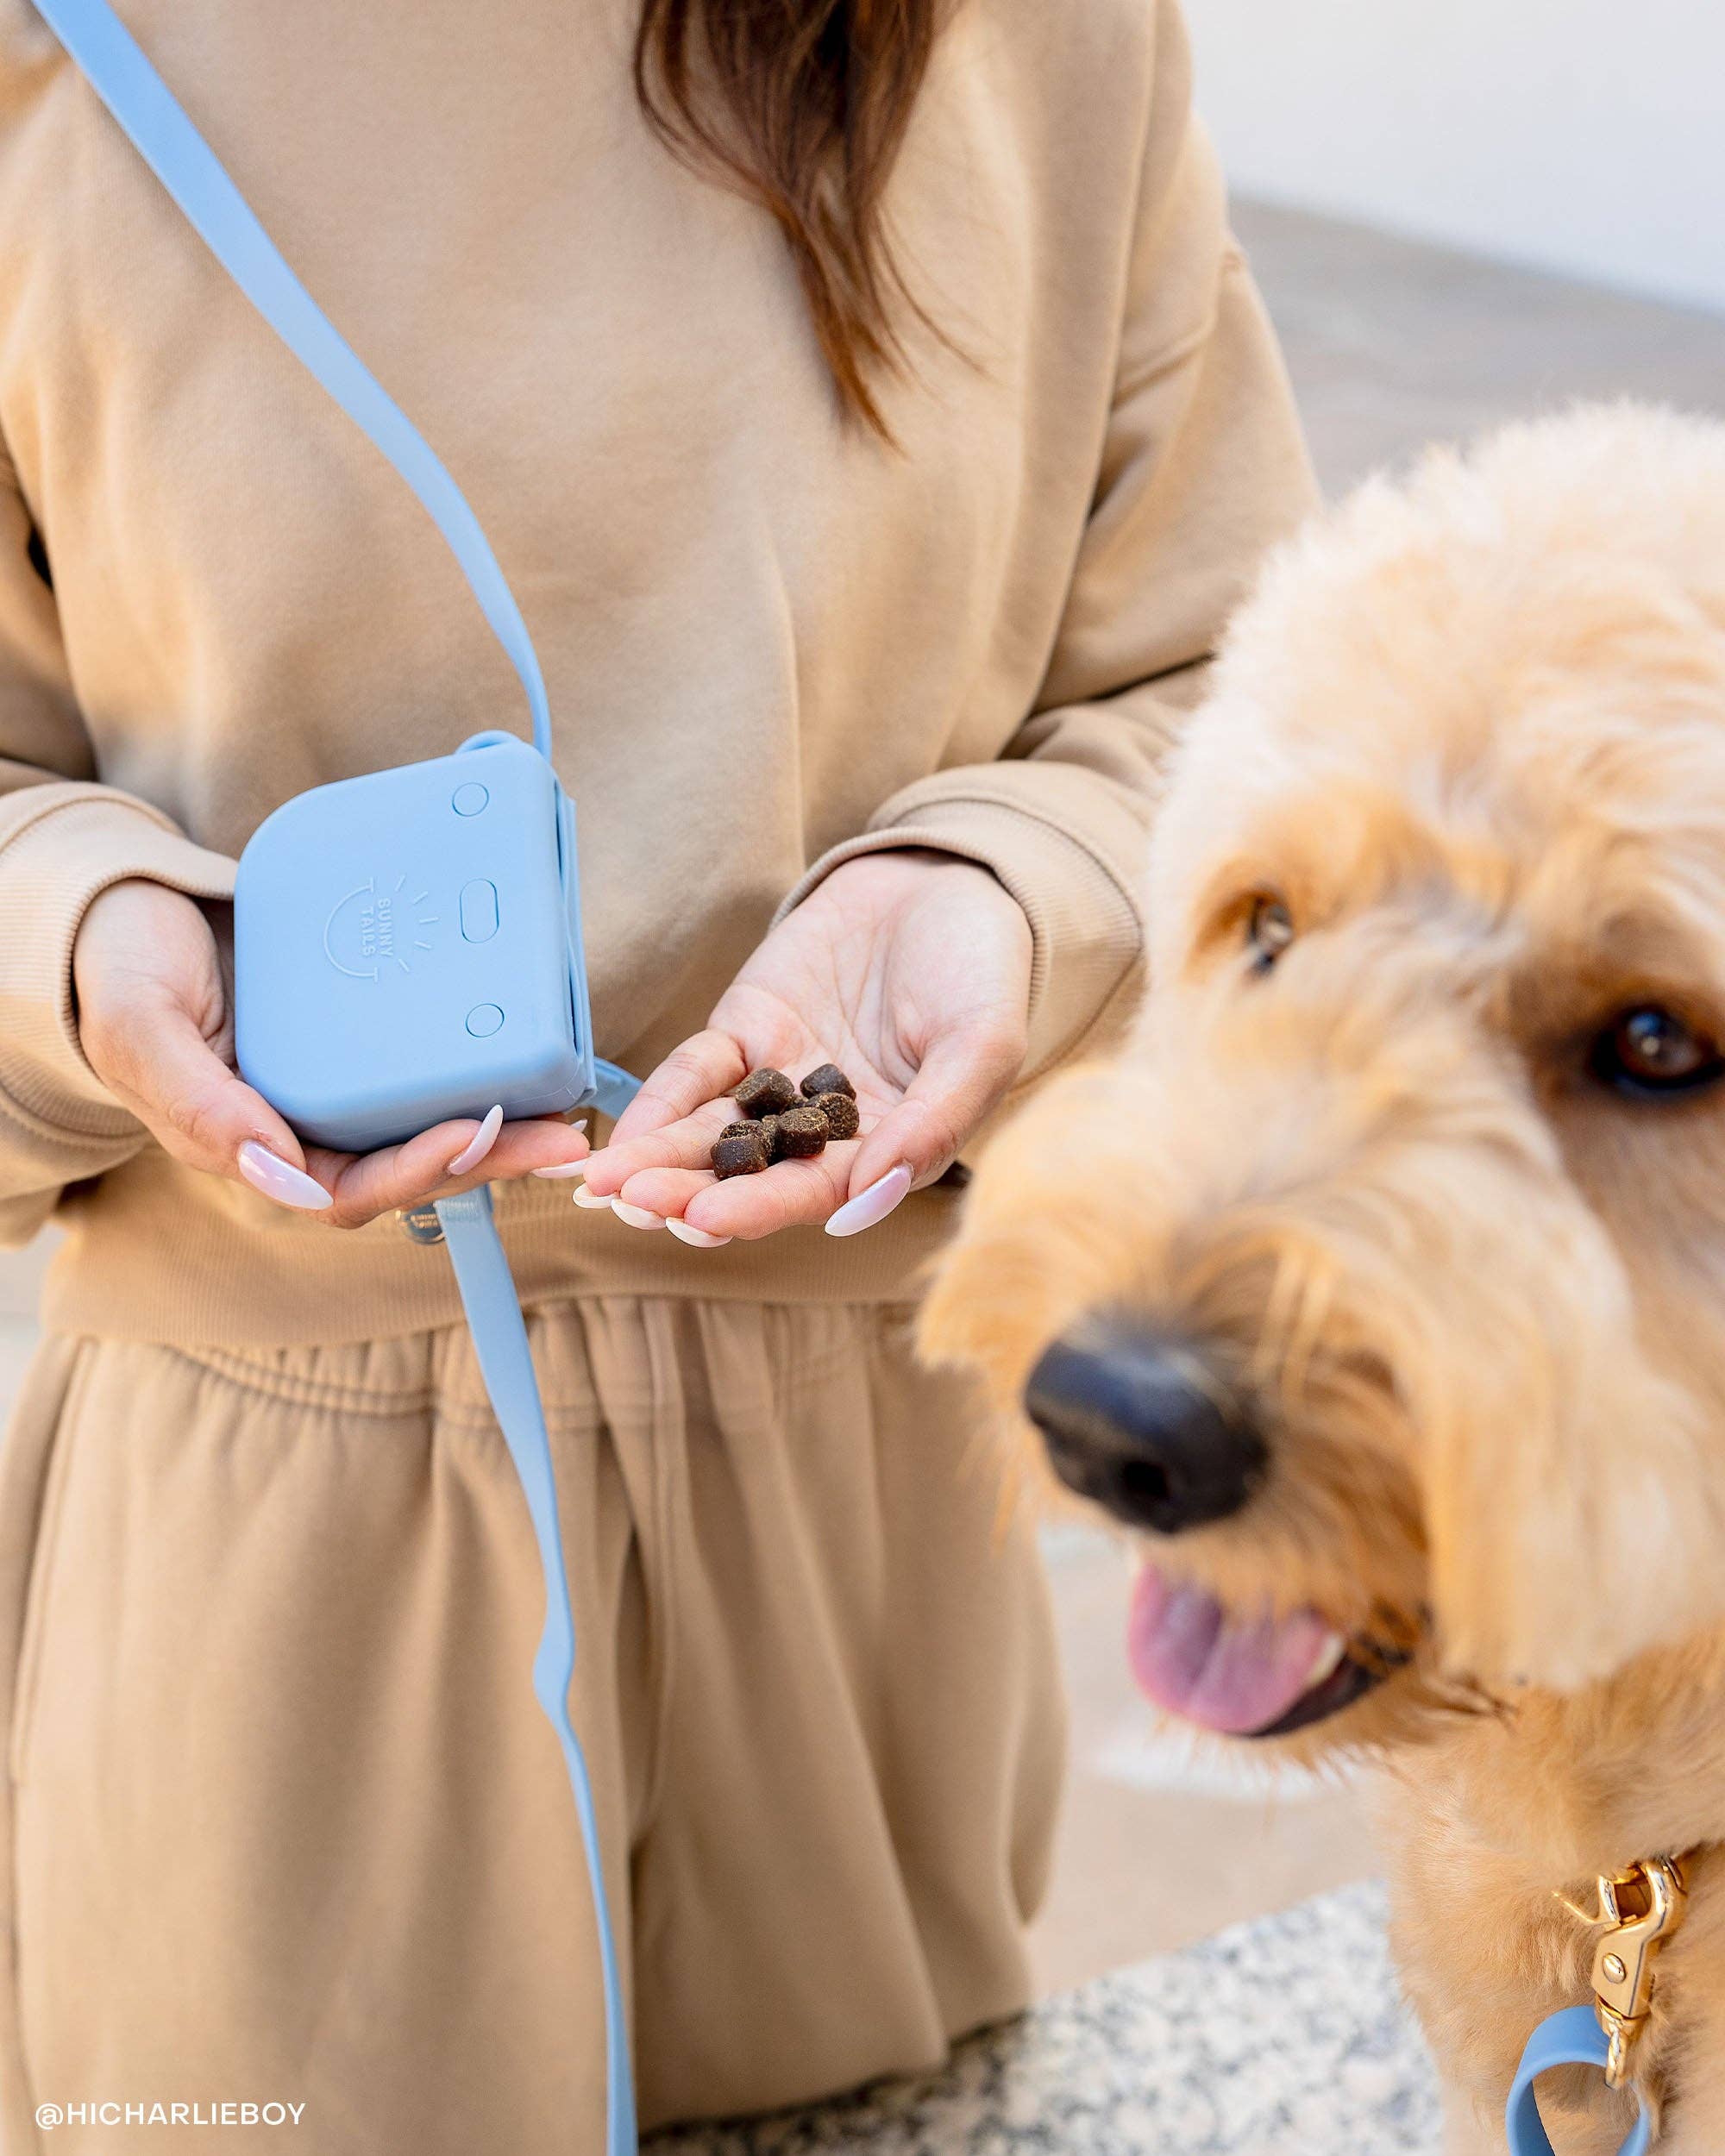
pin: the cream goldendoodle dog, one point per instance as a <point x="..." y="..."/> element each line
<point x="1379" y="1286"/>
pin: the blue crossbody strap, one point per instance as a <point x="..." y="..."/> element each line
<point x="1571" y="2038"/>
<point x="147" y="112"/>
<point x="613" y="1087"/>
<point x="506" y="1365"/>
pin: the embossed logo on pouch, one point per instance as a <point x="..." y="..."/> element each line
<point x="378" y="925"/>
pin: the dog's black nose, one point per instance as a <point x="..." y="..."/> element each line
<point x="1134" y="1422"/>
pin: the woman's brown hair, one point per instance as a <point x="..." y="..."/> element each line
<point x="802" y="105"/>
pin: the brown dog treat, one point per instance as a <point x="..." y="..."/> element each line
<point x="801" y="1134"/>
<point x="739" y="1155"/>
<point x="765" y="1130"/>
<point x="764" y="1092"/>
<point x="840" y="1110"/>
<point x="828" y="1079"/>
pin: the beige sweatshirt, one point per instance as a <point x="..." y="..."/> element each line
<point x="770" y="640"/>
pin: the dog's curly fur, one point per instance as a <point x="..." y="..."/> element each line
<point x="1471" y="731"/>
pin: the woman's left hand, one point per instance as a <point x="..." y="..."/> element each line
<point x="911" y="971"/>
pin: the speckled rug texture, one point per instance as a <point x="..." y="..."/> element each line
<point x="1282" y="2037"/>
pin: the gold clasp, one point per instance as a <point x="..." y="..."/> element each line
<point x="1640" y="1910"/>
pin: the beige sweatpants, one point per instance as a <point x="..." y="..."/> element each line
<point x="286" y="1825"/>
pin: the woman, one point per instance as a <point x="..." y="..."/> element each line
<point x="875" y="422"/>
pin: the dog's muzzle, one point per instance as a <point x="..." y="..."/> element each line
<point x="1134" y="1421"/>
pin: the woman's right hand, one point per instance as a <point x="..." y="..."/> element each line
<point x="155" y="1019"/>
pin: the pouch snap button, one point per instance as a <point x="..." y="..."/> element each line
<point x="479" y="911"/>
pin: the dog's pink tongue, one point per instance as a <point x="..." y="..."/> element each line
<point x="1193" y="1659"/>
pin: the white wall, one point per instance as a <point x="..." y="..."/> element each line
<point x="1586" y="136"/>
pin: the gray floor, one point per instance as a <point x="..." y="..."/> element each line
<point x="1393" y="345"/>
<point x="1390" y="345"/>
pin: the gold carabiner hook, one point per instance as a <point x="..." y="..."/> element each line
<point x="1639" y="1910"/>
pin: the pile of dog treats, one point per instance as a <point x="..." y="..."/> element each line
<point x="781" y="1122"/>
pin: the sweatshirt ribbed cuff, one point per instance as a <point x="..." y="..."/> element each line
<point x="1085" y="926"/>
<point x="59" y="847"/>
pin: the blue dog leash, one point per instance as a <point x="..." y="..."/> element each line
<point x="1640" y="1910"/>
<point x="1570" y="2038"/>
<point x="148" y="113"/>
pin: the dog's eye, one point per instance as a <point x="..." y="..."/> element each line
<point x="1269" y="929"/>
<point x="1650" y="1050"/>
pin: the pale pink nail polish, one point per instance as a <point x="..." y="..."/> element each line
<point x="562" y="1169"/>
<point x="589" y="1203"/>
<point x="267" y="1172"/>
<point x="873" y="1204"/>
<point x="636" y="1216"/>
<point x="479" y="1144"/>
<point x="697" y="1238"/>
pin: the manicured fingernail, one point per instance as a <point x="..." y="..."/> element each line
<point x="636" y="1216"/>
<point x="561" y="1170"/>
<point x="697" y="1238"/>
<point x="872" y="1205"/>
<point x="588" y="1203"/>
<point x="479" y="1144"/>
<point x="265" y="1172"/>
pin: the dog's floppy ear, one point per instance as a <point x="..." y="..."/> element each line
<point x="1589" y="1525"/>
